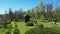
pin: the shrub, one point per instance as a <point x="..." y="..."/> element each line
<point x="41" y="31"/>
<point x="33" y="21"/>
<point x="16" y="20"/>
<point x="29" y="24"/>
<point x="16" y="31"/>
<point x="40" y="26"/>
<point x="8" y="32"/>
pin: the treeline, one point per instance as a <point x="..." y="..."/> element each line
<point x="13" y="15"/>
<point x="46" y="12"/>
<point x="42" y="11"/>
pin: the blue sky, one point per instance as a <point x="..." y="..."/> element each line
<point x="17" y="4"/>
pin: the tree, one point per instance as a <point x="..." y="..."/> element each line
<point x="33" y="13"/>
<point x="49" y="12"/>
<point x="11" y="15"/>
<point x="57" y="15"/>
<point x="18" y="15"/>
<point x="29" y="13"/>
<point x="55" y="11"/>
<point x="42" y="18"/>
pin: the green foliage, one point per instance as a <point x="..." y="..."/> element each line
<point x="41" y="31"/>
<point x="8" y="32"/>
<point x="11" y="16"/>
<point x="29" y="24"/>
<point x="42" y="17"/>
<point x="16" y="31"/>
<point x="18" y="15"/>
<point x="41" y="25"/>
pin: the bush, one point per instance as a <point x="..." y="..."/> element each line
<point x="8" y="32"/>
<point x="16" y="31"/>
<point x="29" y="24"/>
<point x="33" y="21"/>
<point x="16" y="20"/>
<point x="41" y="25"/>
<point x="41" y="31"/>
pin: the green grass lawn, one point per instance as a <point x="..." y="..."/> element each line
<point x="23" y="28"/>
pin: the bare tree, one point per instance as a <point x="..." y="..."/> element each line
<point x="55" y="15"/>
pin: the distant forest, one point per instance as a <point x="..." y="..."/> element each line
<point x="41" y="11"/>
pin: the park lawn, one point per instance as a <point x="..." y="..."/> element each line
<point x="23" y="28"/>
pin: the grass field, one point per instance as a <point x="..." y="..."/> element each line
<point x="23" y="28"/>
